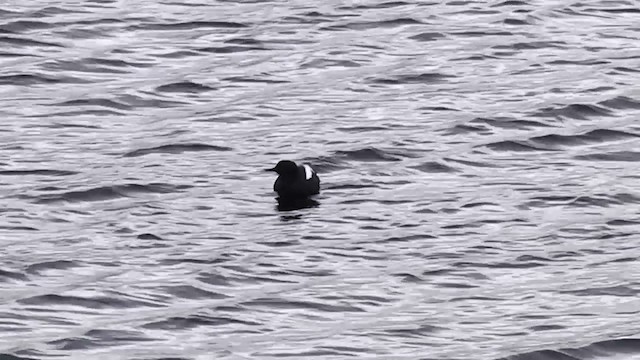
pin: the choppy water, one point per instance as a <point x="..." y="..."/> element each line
<point x="479" y="163"/>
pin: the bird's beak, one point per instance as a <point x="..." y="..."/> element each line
<point x="272" y="169"/>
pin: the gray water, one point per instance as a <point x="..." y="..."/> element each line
<point x="479" y="167"/>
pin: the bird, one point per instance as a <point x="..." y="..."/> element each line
<point x="295" y="181"/>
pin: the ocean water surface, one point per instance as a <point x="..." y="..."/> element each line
<point x="479" y="164"/>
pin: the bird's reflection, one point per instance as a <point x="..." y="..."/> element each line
<point x="285" y="204"/>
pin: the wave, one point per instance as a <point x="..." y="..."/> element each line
<point x="510" y="123"/>
<point x="190" y="25"/>
<point x="193" y="321"/>
<point x="37" y="268"/>
<point x="230" y="49"/>
<point x="25" y="25"/>
<point x="18" y="41"/>
<point x="597" y="200"/>
<point x="176" y="149"/>
<point x="532" y="45"/>
<point x="383" y="5"/>
<point x="424" y="78"/>
<point x="427" y="36"/>
<point x="509" y="3"/>
<point x="555" y="142"/>
<point x="115" y="62"/>
<point x="434" y="167"/>
<point x="512" y="21"/>
<point x="105" y="193"/>
<point x="514" y="145"/>
<point x="247" y="79"/>
<point x="184" y="86"/>
<point x="326" y="63"/>
<point x="607" y="348"/>
<point x="112" y="301"/>
<point x="574" y="111"/>
<point x="7" y="275"/>
<point x="14" y="357"/>
<point x="99" y="102"/>
<point x="480" y="164"/>
<point x="481" y="33"/>
<point x="276" y="303"/>
<point x="629" y="10"/>
<point x="627" y="156"/>
<point x="367" y="25"/>
<point x="192" y="292"/>
<point x="100" y="338"/>
<point x="37" y="172"/>
<point x="591" y="137"/>
<point x="367" y="154"/>
<point x="37" y="79"/>
<point x="621" y="102"/>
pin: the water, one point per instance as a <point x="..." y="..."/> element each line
<point x="479" y="164"/>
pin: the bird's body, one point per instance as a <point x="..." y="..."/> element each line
<point x="295" y="181"/>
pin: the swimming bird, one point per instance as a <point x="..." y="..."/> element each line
<point x="295" y="181"/>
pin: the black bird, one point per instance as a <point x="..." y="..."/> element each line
<point x="295" y="182"/>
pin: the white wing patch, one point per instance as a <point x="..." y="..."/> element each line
<point x="308" y="171"/>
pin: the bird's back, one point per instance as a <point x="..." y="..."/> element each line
<point x="305" y="183"/>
